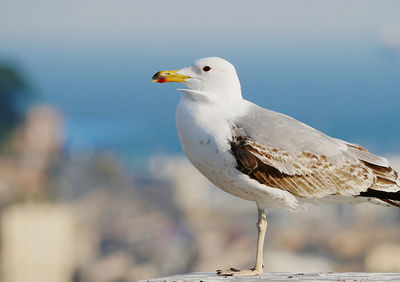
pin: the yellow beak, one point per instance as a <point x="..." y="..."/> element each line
<point x="168" y="76"/>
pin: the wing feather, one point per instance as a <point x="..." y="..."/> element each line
<point x="281" y="152"/>
<point x="314" y="176"/>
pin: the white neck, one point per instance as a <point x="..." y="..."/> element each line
<point x="220" y="101"/>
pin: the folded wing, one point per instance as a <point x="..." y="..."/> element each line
<point x="281" y="152"/>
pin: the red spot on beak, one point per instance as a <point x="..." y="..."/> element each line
<point x="162" y="80"/>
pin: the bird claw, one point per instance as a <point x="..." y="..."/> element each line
<point x="236" y="272"/>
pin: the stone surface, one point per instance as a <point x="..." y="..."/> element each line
<point x="286" y="276"/>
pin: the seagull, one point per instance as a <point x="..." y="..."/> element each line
<point x="268" y="157"/>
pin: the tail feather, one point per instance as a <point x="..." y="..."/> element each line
<point x="393" y="203"/>
<point x="392" y="198"/>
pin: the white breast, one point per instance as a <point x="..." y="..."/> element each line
<point x="205" y="131"/>
<point x="204" y="134"/>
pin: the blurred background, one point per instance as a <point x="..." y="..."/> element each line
<point x="93" y="183"/>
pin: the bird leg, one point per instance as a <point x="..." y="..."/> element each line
<point x="258" y="268"/>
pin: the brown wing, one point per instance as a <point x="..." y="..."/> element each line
<point x="309" y="175"/>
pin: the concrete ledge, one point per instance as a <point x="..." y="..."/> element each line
<point x="286" y="276"/>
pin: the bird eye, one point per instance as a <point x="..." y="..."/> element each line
<point x="206" y="68"/>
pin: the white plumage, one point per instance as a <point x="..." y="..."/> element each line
<point x="267" y="157"/>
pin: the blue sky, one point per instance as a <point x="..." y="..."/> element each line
<point x="167" y="25"/>
<point x="90" y="19"/>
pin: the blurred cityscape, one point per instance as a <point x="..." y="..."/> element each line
<point x="85" y="216"/>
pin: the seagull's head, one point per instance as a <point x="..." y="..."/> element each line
<point x="210" y="79"/>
